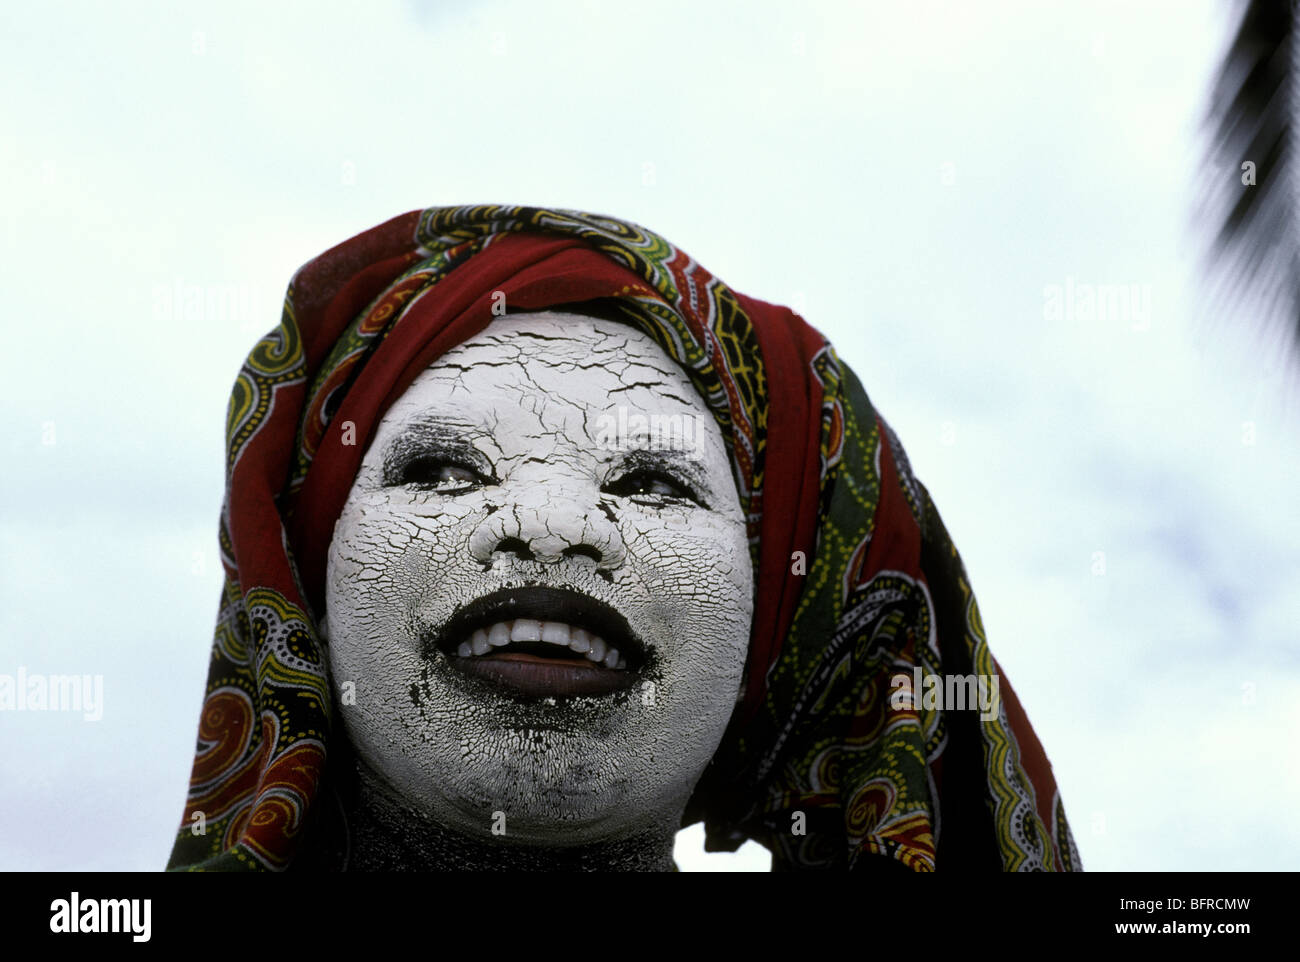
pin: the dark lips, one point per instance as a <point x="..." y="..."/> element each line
<point x="531" y="671"/>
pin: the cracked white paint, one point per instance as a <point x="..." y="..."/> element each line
<point x="513" y="414"/>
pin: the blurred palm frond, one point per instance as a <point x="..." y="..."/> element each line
<point x="1255" y="255"/>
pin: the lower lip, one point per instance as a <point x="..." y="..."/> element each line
<point x="544" y="677"/>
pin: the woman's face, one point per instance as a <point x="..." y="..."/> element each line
<point x="549" y="491"/>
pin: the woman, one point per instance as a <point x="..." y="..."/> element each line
<point x="428" y="453"/>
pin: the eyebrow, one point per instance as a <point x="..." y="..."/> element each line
<point x="683" y="461"/>
<point x="428" y="424"/>
<point x="431" y="432"/>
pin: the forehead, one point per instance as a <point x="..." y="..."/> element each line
<point x="548" y="366"/>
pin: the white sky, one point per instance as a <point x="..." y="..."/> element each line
<point x="799" y="152"/>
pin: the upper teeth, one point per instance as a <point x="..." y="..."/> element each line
<point x="550" y="632"/>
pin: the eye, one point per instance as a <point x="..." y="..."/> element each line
<point x="651" y="484"/>
<point x="440" y="474"/>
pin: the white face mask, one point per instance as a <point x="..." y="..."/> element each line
<point x="552" y="451"/>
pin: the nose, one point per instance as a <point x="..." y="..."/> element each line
<point x="559" y="528"/>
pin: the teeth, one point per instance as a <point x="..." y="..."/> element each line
<point x="478" y="642"/>
<point x="578" y="640"/>
<point x="555" y="633"/>
<point x="526" y="629"/>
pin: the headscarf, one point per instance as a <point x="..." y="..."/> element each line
<point x="856" y="580"/>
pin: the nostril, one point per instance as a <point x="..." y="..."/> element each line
<point x="583" y="550"/>
<point x="516" y="546"/>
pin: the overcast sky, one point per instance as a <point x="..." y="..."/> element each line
<point x="925" y="182"/>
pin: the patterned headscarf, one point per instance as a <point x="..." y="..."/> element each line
<point x="858" y="587"/>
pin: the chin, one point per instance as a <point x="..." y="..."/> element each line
<point x="479" y="759"/>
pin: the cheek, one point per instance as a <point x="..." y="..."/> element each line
<point x="692" y="554"/>
<point x="696" y="569"/>
<point x="382" y="560"/>
<point x="378" y="537"/>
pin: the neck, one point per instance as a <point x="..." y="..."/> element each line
<point x="389" y="836"/>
